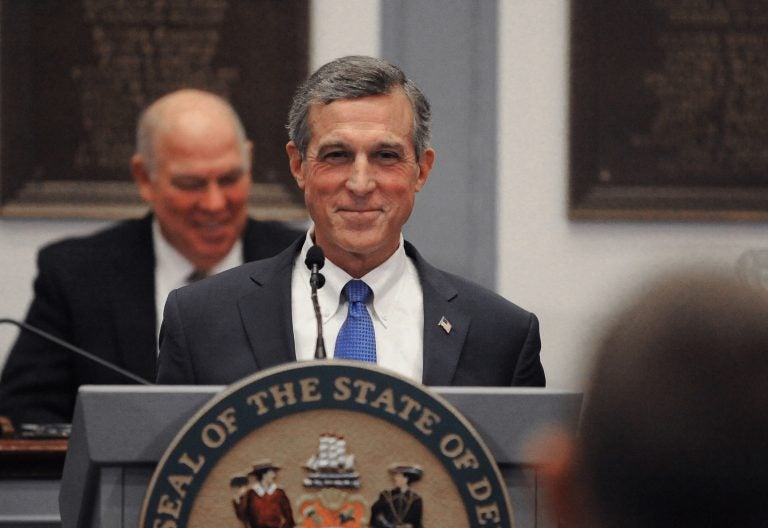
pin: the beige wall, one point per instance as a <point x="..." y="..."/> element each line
<point x="573" y="275"/>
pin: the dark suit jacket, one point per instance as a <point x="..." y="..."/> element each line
<point x="396" y="508"/>
<point x="238" y="322"/>
<point x="98" y="293"/>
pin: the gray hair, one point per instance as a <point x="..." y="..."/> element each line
<point x="350" y="78"/>
<point x="152" y="117"/>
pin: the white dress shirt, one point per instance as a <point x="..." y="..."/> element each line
<point x="396" y="308"/>
<point x="172" y="269"/>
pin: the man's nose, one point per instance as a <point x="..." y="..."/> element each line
<point x="361" y="178"/>
<point x="213" y="198"/>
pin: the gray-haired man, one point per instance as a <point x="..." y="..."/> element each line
<point x="359" y="150"/>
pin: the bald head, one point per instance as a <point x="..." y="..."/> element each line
<point x="186" y="113"/>
<point x="192" y="167"/>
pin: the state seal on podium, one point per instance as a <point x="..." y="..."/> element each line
<point x="327" y="444"/>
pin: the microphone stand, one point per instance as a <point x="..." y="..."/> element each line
<point x="315" y="260"/>
<point x="76" y="350"/>
<point x="316" y="281"/>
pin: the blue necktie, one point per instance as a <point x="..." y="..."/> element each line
<point x="356" y="339"/>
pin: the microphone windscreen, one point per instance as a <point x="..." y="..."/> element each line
<point x="315" y="257"/>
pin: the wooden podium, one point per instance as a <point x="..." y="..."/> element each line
<point x="119" y="434"/>
<point x="30" y="472"/>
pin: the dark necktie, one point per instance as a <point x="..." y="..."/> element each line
<point x="356" y="339"/>
<point x="196" y="275"/>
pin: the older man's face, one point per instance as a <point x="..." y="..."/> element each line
<point x="199" y="189"/>
<point x="359" y="177"/>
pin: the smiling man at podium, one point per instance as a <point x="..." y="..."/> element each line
<point x="359" y="150"/>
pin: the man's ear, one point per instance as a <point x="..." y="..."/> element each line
<point x="426" y="161"/>
<point x="295" y="162"/>
<point x="141" y="178"/>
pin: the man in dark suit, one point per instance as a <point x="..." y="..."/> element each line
<point x="104" y="292"/>
<point x="359" y="149"/>
<point x="399" y="507"/>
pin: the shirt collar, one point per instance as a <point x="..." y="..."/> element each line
<point x="260" y="491"/>
<point x="383" y="281"/>
<point x="172" y="263"/>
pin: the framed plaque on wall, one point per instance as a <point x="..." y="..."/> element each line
<point x="75" y="75"/>
<point x="669" y="110"/>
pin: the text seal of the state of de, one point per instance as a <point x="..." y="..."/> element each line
<point x="327" y="444"/>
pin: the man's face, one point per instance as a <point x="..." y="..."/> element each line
<point x="359" y="177"/>
<point x="199" y="189"/>
<point x="269" y="477"/>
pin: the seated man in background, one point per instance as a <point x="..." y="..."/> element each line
<point x="675" y="427"/>
<point x="359" y="150"/>
<point x="104" y="292"/>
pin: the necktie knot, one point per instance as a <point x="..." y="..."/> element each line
<point x="356" y="339"/>
<point x="196" y="275"/>
<point x="357" y="291"/>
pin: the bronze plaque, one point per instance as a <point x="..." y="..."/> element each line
<point x="669" y="109"/>
<point x="75" y="76"/>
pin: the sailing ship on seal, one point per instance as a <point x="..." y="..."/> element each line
<point x="331" y="465"/>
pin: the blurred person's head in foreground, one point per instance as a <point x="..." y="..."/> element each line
<point x="675" y="426"/>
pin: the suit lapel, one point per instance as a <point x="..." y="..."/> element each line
<point x="267" y="319"/>
<point x="444" y="342"/>
<point x="132" y="291"/>
<point x="266" y="310"/>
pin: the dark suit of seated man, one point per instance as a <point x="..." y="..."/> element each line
<point x="359" y="150"/>
<point x="104" y="292"/>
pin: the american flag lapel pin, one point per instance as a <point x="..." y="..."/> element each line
<point x="445" y="324"/>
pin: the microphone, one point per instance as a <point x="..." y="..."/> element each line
<point x="79" y="351"/>
<point x="315" y="261"/>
